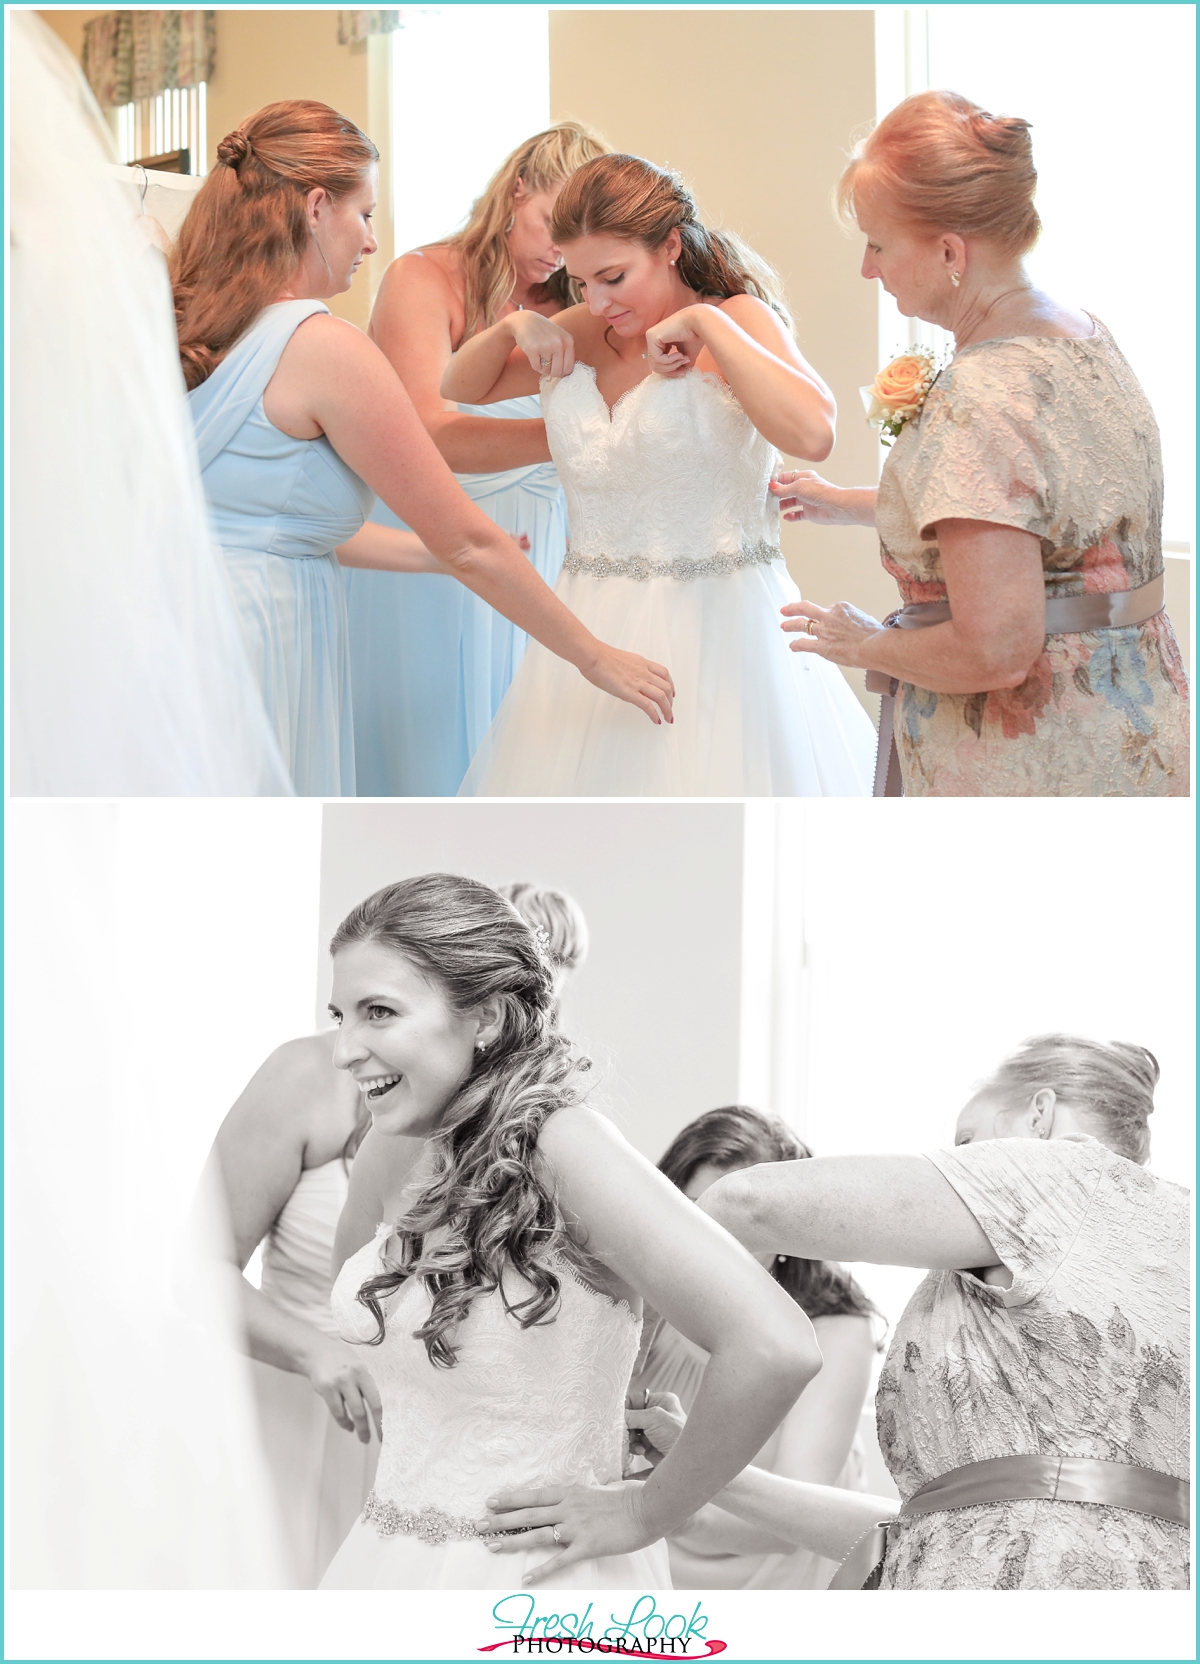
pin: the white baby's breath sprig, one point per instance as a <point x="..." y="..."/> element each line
<point x="899" y="390"/>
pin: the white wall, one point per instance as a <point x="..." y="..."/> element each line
<point x="940" y="936"/>
<point x="656" y="1003"/>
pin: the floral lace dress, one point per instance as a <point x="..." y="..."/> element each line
<point x="1085" y="1355"/>
<point x="1054" y="437"/>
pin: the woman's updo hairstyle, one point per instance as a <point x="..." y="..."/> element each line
<point x="940" y="162"/>
<point x="1112" y="1084"/>
<point x="736" y="1137"/>
<point x="626" y="196"/>
<point x="485" y="1201"/>
<point x="558" y="916"/>
<point x="247" y="230"/>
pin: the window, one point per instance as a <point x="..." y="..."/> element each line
<point x="1110" y="92"/>
<point x="175" y="120"/>
<point x="469" y="83"/>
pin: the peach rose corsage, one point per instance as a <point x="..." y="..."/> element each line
<point x="899" y="391"/>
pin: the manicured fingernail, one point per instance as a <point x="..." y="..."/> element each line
<point x="491" y="1502"/>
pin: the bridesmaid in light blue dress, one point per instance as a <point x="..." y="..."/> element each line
<point x="432" y="662"/>
<point x="279" y="508"/>
<point x="300" y="421"/>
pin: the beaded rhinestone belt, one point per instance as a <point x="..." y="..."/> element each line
<point x="428" y="1525"/>
<point x="683" y="567"/>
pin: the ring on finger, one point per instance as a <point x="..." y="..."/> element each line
<point x="554" y="1534"/>
<point x="812" y="626"/>
<point x="543" y="362"/>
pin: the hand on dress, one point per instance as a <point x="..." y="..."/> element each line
<point x="839" y="633"/>
<point x="638" y="681"/>
<point x="584" y="1522"/>
<point x="547" y="346"/>
<point x="655" y="1426"/>
<point x="804" y="495"/>
<point x="347" y="1387"/>
<point x="673" y="346"/>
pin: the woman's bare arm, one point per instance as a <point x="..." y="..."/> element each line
<point x="512" y="357"/>
<point x="822" y="1518"/>
<point x="258" y="1158"/>
<point x="760" y="1344"/>
<point x="782" y="395"/>
<point x="377" y="548"/>
<point x="814" y="1440"/>
<point x="887" y="1210"/>
<point x="996" y="590"/>
<point x="412" y="325"/>
<point x="782" y="1512"/>
<point x="331" y="380"/>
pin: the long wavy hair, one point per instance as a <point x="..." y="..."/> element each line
<point x="627" y="196"/>
<point x="542" y="163"/>
<point x="736" y="1137"/>
<point x="247" y="230"/>
<point x="485" y="1209"/>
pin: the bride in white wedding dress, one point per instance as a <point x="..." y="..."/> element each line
<point x="499" y="1237"/>
<point x="667" y="398"/>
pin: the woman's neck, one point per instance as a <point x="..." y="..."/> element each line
<point x="993" y="309"/>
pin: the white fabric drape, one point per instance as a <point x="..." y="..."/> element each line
<point x="128" y="671"/>
<point x="134" y="1460"/>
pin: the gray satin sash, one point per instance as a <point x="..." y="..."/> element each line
<point x="1024" y="1479"/>
<point x="1066" y="615"/>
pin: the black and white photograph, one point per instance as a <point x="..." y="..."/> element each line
<point x="509" y="1152"/>
<point x="593" y="1197"/>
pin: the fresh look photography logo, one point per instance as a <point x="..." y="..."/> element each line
<point x="645" y="1631"/>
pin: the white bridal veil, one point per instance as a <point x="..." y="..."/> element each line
<point x="128" y="673"/>
<point x="133" y="1450"/>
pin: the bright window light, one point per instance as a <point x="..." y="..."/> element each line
<point x="1110" y="91"/>
<point x="469" y="83"/>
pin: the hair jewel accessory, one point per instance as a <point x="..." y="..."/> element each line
<point x="542" y="937"/>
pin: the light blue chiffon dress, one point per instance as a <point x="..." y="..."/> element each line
<point x="279" y="508"/>
<point x="432" y="661"/>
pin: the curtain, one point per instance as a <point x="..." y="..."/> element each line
<point x="131" y="55"/>
<point x="356" y="26"/>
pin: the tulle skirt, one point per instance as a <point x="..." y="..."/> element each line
<point x="368" y="1561"/>
<point x="752" y="718"/>
<point x="431" y="660"/>
<point x="320" y="1473"/>
<point x="293" y="613"/>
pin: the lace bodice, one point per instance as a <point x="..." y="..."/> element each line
<point x="676" y="473"/>
<point x="521" y="1407"/>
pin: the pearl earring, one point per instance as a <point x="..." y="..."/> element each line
<point x="954" y="279"/>
<point x="781" y="1259"/>
<point x="481" y="1045"/>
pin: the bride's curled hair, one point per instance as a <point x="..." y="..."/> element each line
<point x="627" y="196"/>
<point x="485" y="1211"/>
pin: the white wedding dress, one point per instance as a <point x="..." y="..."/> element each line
<point x="520" y="1409"/>
<point x="674" y="554"/>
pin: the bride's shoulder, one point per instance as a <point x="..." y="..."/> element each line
<point x="577" y="1137"/>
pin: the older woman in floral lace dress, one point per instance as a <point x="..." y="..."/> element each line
<point x="1020" y="508"/>
<point x="1033" y="1408"/>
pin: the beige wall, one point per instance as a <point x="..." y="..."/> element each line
<point x="756" y="110"/>
<point x="284" y="53"/>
